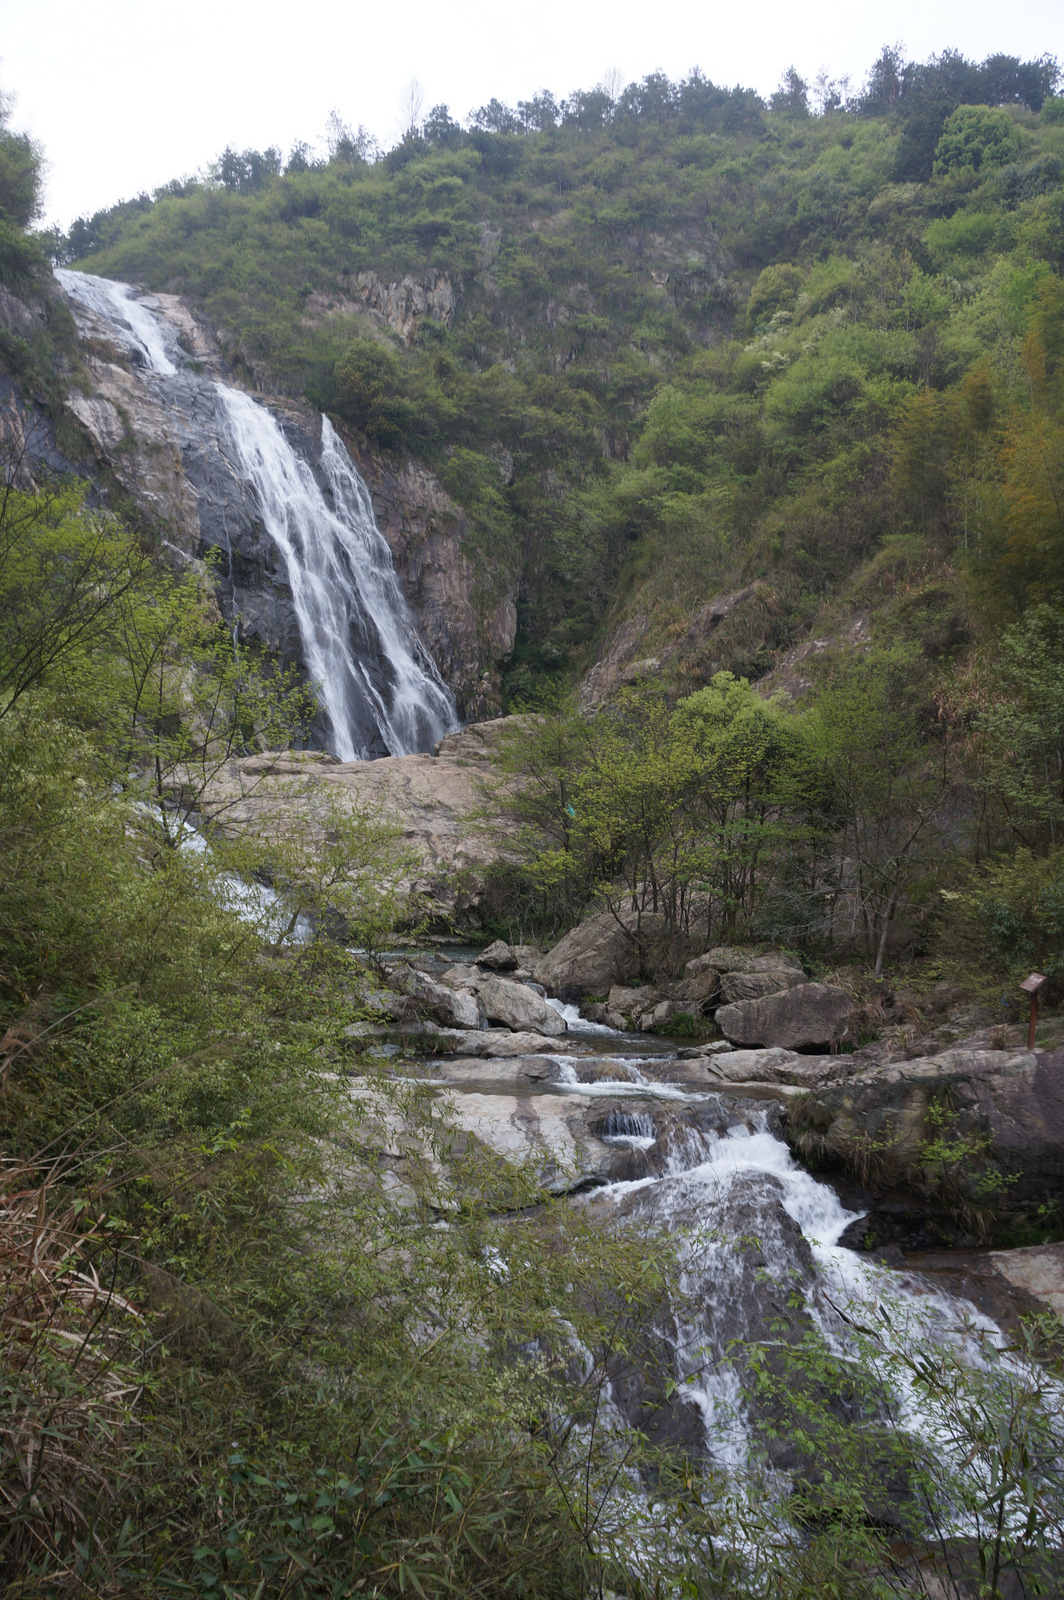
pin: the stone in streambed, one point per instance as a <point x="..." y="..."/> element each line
<point x="494" y="1042"/>
<point x="663" y="1013"/>
<point x="608" y="950"/>
<point x="1001" y="1111"/>
<point x="627" y="1000"/>
<point x="1036" y="1269"/>
<point x="803" y="1018"/>
<point x="698" y="989"/>
<point x="775" y="1065"/>
<point x="552" y="1135"/>
<point x="455" y="1008"/>
<point x="516" y="1073"/>
<point x="498" y="957"/>
<point x="503" y="1000"/>
<point x="519" y="1044"/>
<point x="461" y="977"/>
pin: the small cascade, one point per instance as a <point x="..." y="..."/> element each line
<point x="577" y="1023"/>
<point x="378" y="687"/>
<point x="634" y="1128"/>
<point x="756" y="1227"/>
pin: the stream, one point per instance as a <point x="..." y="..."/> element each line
<point x="759" y="1257"/>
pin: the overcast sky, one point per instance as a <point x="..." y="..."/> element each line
<point x="124" y="95"/>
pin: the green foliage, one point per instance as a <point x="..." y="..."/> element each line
<point x="973" y="138"/>
<point x="690" y="322"/>
<point x="916" y="1467"/>
<point x="366" y="393"/>
<point x="688" y="815"/>
<point x="238" y="1353"/>
<point x="889" y="778"/>
<point x="1009" y="918"/>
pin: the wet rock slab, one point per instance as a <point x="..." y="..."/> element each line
<point x="1037" y="1270"/>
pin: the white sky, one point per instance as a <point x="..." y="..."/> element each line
<point x="124" y="95"/>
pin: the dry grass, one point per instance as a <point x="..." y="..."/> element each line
<point x="67" y="1375"/>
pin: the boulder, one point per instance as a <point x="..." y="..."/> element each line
<point x="591" y="959"/>
<point x="1001" y="1112"/>
<point x="496" y="1043"/>
<point x="742" y="958"/>
<point x="1038" y="1270"/>
<point x="624" y="999"/>
<point x="512" y="1074"/>
<point x="755" y="985"/>
<point x="461" y="977"/>
<point x="775" y="1066"/>
<point x="499" y="957"/>
<point x="699" y="989"/>
<point x="384" y="1001"/>
<point x="500" y="1045"/>
<point x="663" y="1013"/>
<point x="519" y="1007"/>
<point x="700" y="964"/>
<point x="799" y="1019"/>
<point x="554" y="1137"/>
<point x="455" y="1008"/>
<point x="608" y="950"/>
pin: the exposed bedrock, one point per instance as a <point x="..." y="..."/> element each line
<point x="977" y="1133"/>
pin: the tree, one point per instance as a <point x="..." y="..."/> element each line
<point x="1015" y="697"/>
<point x="411" y="104"/>
<point x="65" y="573"/>
<point x="185" y="698"/>
<point x="884" y="759"/>
<point x="792" y="96"/>
<point x="683" y="813"/>
<point x="975" y="137"/>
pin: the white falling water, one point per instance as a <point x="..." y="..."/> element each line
<point x="376" y="682"/>
<point x="115" y="305"/>
<point x="359" y="641"/>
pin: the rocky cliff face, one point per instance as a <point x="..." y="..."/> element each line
<point x="169" y="467"/>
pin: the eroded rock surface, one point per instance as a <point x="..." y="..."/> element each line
<point x="809" y="1016"/>
<point x="610" y="950"/>
<point x="978" y="1131"/>
<point x="431" y="798"/>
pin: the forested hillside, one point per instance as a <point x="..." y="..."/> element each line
<point x="339" y="1258"/>
<point x="675" y="342"/>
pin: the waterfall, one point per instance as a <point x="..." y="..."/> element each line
<point x="115" y="303"/>
<point x="377" y="684"/>
<point x="358" y="639"/>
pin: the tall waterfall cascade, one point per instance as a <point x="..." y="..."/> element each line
<point x="377" y="684"/>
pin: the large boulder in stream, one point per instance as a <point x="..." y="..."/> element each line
<point x="980" y="1133"/>
<point x="455" y="1008"/>
<point x="808" y="1017"/>
<point x="518" y="1006"/>
<point x="736" y="986"/>
<point x="612" y="949"/>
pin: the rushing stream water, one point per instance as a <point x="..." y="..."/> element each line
<point x="377" y="684"/>
<point x="760" y="1265"/>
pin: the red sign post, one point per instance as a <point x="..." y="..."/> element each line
<point x="1031" y="986"/>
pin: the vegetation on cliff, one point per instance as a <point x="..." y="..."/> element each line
<point x="692" y="342"/>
